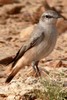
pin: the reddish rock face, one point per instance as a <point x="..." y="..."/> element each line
<point x="6" y="1"/>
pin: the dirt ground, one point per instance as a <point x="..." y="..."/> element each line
<point x="13" y="19"/>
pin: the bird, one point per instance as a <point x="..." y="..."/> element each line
<point x="40" y="44"/>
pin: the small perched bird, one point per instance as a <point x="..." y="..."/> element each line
<point x="40" y="44"/>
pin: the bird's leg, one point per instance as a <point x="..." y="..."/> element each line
<point x="35" y="67"/>
<point x="37" y="70"/>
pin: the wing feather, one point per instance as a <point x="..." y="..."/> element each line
<point x="35" y="39"/>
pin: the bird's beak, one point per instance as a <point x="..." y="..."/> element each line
<point x="61" y="16"/>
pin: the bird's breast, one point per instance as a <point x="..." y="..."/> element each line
<point x="46" y="46"/>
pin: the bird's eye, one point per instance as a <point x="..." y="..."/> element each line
<point x="48" y="16"/>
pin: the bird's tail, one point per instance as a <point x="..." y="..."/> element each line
<point x="12" y="74"/>
<point x="20" y="64"/>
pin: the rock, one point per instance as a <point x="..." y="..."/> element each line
<point x="61" y="26"/>
<point x="31" y="80"/>
<point x="2" y="2"/>
<point x="13" y="9"/>
<point x="11" y="97"/>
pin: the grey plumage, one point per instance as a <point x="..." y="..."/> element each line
<point x="40" y="44"/>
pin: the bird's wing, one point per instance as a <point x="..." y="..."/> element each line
<point x="36" y="37"/>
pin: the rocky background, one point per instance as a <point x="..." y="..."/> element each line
<point x="17" y="20"/>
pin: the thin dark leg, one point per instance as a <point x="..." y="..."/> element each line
<point x="35" y="67"/>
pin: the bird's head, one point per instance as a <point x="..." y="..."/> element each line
<point x="49" y="17"/>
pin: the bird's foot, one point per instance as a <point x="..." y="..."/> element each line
<point x="41" y="72"/>
<point x="38" y="72"/>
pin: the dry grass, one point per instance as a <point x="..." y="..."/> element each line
<point x="53" y="89"/>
